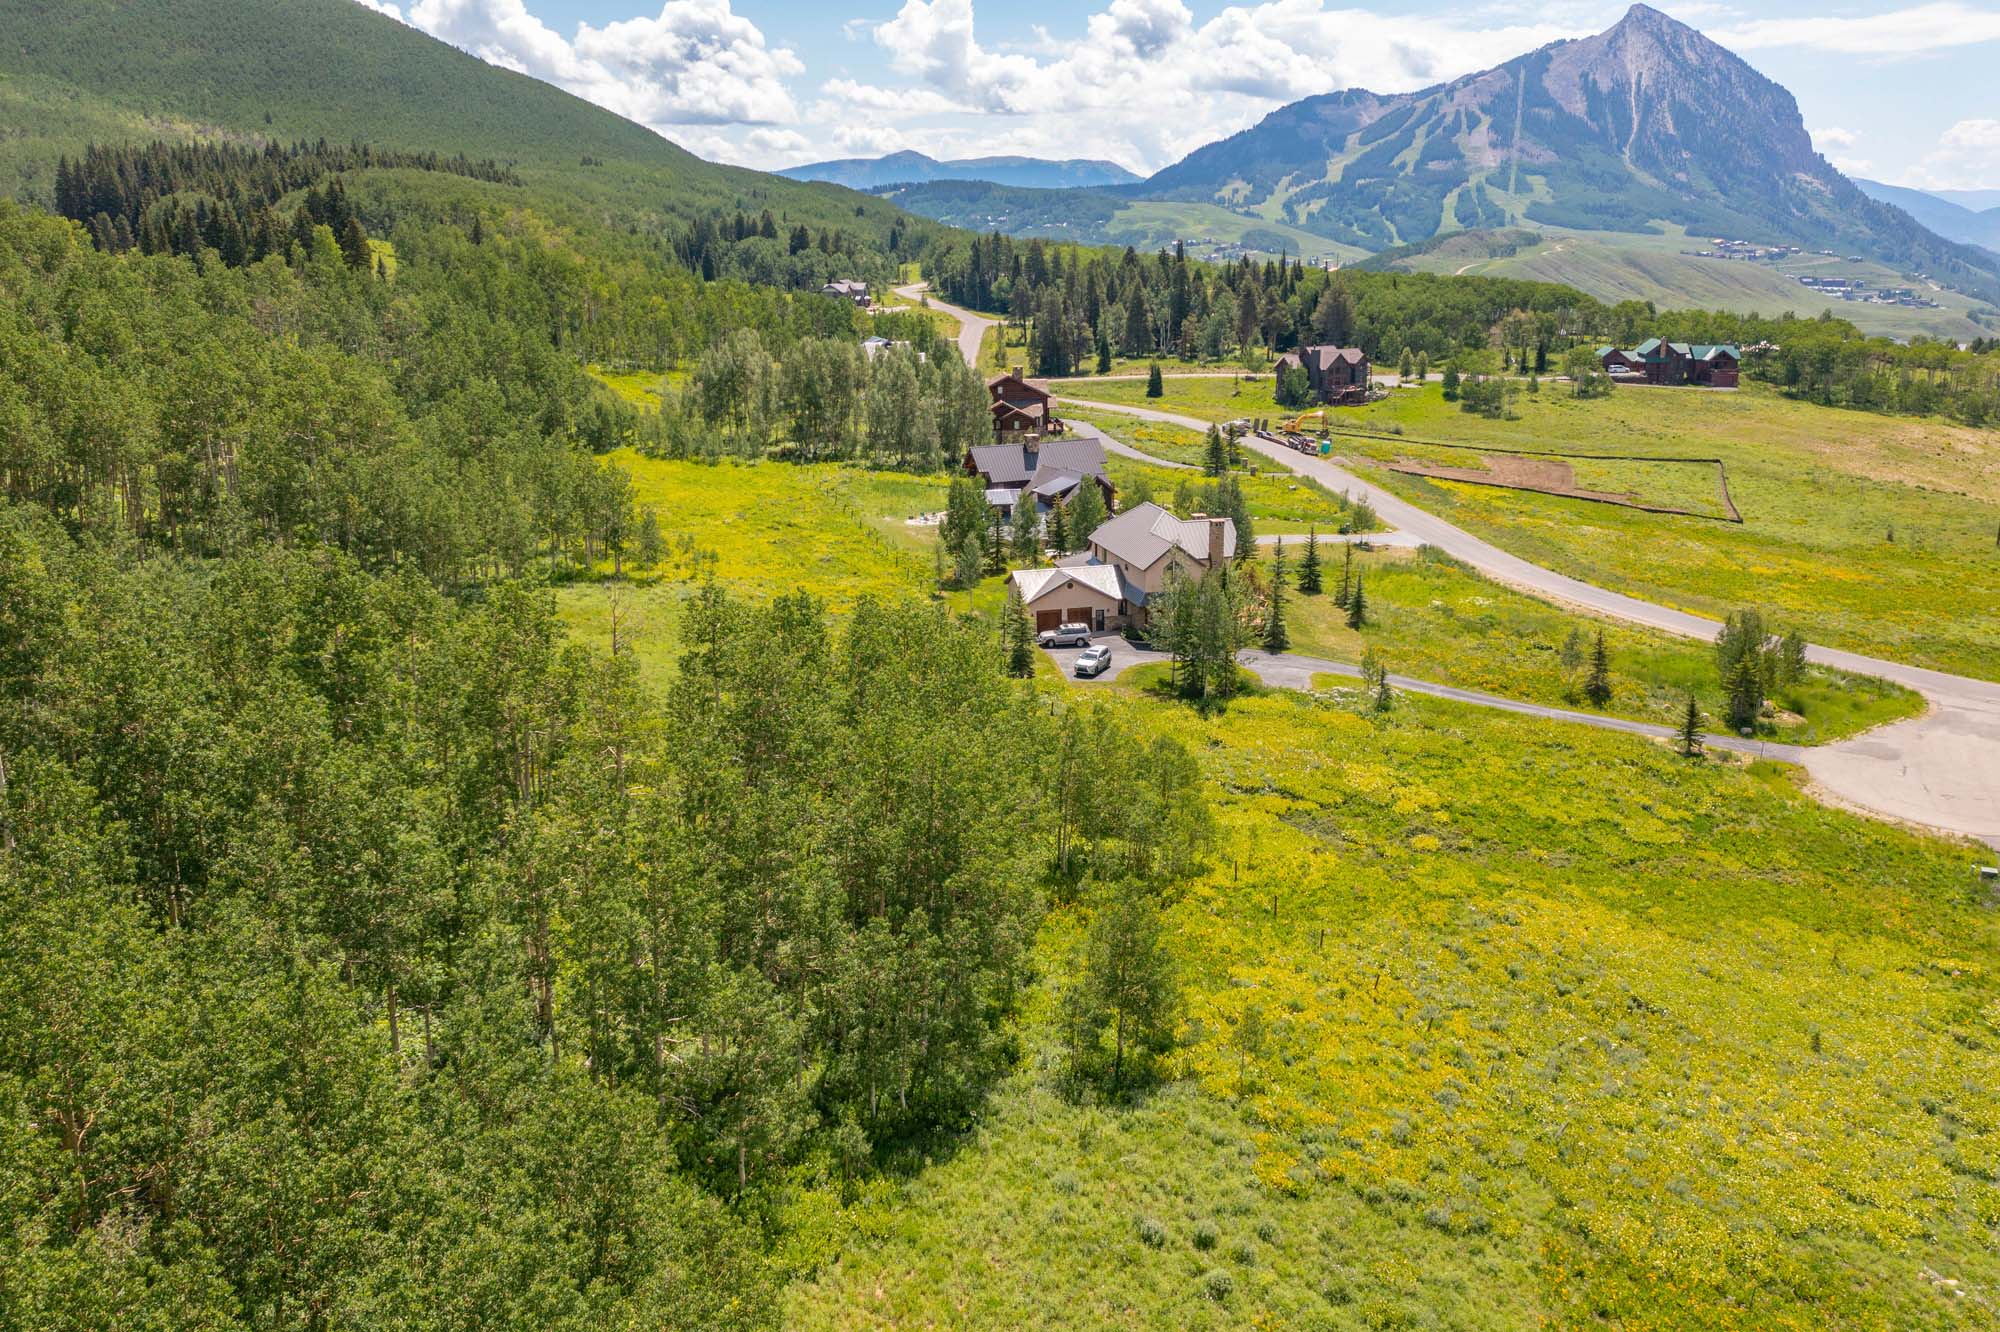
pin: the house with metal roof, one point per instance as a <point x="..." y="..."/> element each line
<point x="1127" y="562"/>
<point x="1047" y="470"/>
<point x="1657" y="361"/>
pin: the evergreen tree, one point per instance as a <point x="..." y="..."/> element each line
<point x="1690" y="732"/>
<point x="1155" y="385"/>
<point x="996" y="541"/>
<point x="1792" y="659"/>
<point x="1406" y="366"/>
<point x="1056" y="530"/>
<point x="1215" y="460"/>
<point x="1597" y="688"/>
<point x="1423" y="366"/>
<point x="1019" y="633"/>
<point x="1743" y="693"/>
<point x="1276" y="639"/>
<point x="1103" y="352"/>
<point x="1451" y="382"/>
<point x="1309" y="570"/>
<point x="1346" y="593"/>
<point x="354" y="244"/>
<point x="1357" y="606"/>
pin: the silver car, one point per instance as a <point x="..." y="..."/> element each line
<point x="1068" y="634"/>
<point x="1093" y="660"/>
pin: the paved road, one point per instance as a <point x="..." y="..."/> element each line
<point x="1295" y="670"/>
<point x="1940" y="770"/>
<point x="971" y="327"/>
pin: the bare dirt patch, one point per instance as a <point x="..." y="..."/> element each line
<point x="1543" y="476"/>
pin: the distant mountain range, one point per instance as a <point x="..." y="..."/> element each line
<point x="1947" y="216"/>
<point x="1644" y="127"/>
<point x="906" y="168"/>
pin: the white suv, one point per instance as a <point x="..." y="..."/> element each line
<point x="1071" y="634"/>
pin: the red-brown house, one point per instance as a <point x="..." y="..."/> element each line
<point x="1336" y="374"/>
<point x="1022" y="413"/>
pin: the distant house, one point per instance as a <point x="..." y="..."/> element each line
<point x="1045" y="471"/>
<point x="1338" y="375"/>
<point x="875" y="346"/>
<point x="1126" y="564"/>
<point x="1022" y="413"/>
<point x="847" y="290"/>
<point x="1656" y="361"/>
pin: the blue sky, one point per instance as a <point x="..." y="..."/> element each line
<point x="1906" y="93"/>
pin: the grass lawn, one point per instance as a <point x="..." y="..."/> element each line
<point x="1875" y="533"/>
<point x="1432" y="618"/>
<point x="760" y="529"/>
<point x="1558" y="1030"/>
<point x="1279" y="501"/>
<point x="1202" y="396"/>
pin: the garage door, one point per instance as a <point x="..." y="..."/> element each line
<point x="1047" y="620"/>
<point x="1077" y="615"/>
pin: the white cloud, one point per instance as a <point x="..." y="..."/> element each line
<point x="383" y="7"/>
<point x="1146" y="83"/>
<point x="697" y="63"/>
<point x="1834" y="137"/>
<point x="1967" y="158"/>
<point x="1899" y="32"/>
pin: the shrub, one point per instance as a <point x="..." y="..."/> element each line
<point x="1204" y="1235"/>
<point x="1218" y="1284"/>
<point x="1151" y="1233"/>
<point x="1242" y="1254"/>
<point x="1267" y="1231"/>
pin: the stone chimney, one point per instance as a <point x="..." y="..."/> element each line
<point x="1217" y="551"/>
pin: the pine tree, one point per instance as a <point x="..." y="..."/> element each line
<point x="1276" y="639"/>
<point x="1346" y="593"/>
<point x="1020" y="637"/>
<point x="1309" y="572"/>
<point x="1451" y="382"/>
<point x="1215" y="460"/>
<point x="1690" y="733"/>
<point x="1743" y="688"/>
<point x="1155" y="386"/>
<point x="996" y="542"/>
<point x="1792" y="659"/>
<point x="354" y="244"/>
<point x="1056" y="530"/>
<point x="1103" y="353"/>
<point x="1357" y="606"/>
<point x="1598" y="687"/>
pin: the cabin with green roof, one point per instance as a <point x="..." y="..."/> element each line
<point x="1657" y="361"/>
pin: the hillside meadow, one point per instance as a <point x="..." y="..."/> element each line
<point x="1432" y="618"/>
<point x="1490" y="1024"/>
<point x="1868" y="532"/>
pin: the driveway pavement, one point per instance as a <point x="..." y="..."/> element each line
<point x="1124" y="657"/>
<point x="1940" y="770"/>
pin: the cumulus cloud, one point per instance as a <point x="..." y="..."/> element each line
<point x="1899" y="32"/>
<point x="1147" y="83"/>
<point x="1967" y="157"/>
<point x="383" y="7"/>
<point x="697" y="63"/>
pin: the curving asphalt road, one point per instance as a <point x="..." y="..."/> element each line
<point x="1940" y="770"/>
<point x="971" y="327"/>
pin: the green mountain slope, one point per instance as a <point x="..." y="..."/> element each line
<point x="1647" y="123"/>
<point x="76" y="70"/>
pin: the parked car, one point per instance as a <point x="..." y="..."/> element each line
<point x="1070" y="634"/>
<point x="1093" y="660"/>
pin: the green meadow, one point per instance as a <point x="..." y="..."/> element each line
<point x="1868" y="532"/>
<point x="1488" y="1024"/>
<point x="1432" y="618"/>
